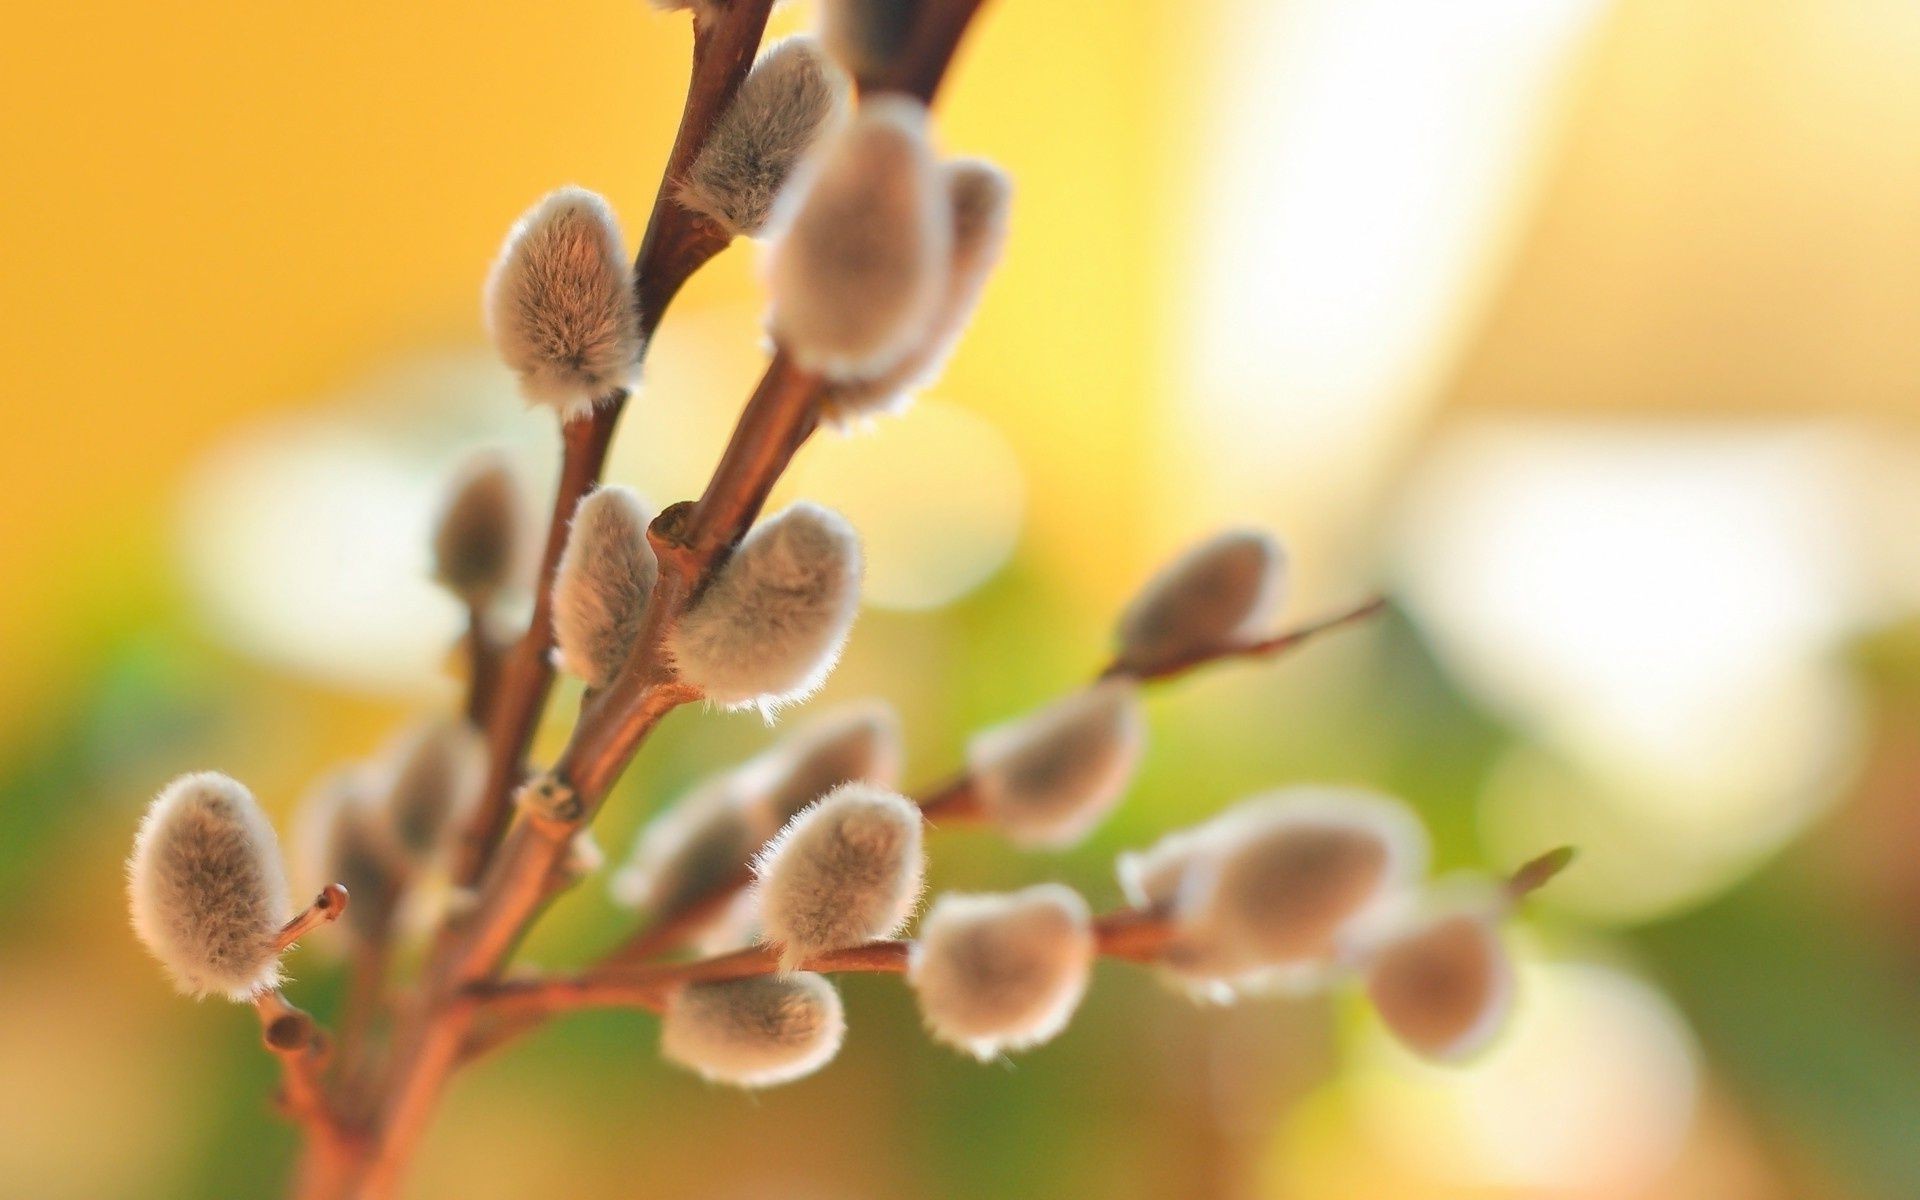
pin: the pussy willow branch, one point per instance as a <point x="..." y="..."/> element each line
<point x="956" y="800"/>
<point x="517" y="879"/>
<point x="676" y="244"/>
<point x="1134" y="935"/>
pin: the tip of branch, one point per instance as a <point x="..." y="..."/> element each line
<point x="1538" y="872"/>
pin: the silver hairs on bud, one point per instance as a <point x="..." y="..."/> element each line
<point x="866" y="36"/>
<point x="1444" y="987"/>
<point x="692" y="848"/>
<point x="770" y="626"/>
<point x="207" y="889"/>
<point x="859" y="743"/>
<point x="980" y="195"/>
<point x="601" y="588"/>
<point x="1001" y="973"/>
<point x="478" y="534"/>
<point x="560" y="303"/>
<point x="1048" y="778"/>
<point x="845" y="871"/>
<point x="1218" y="594"/>
<point x="755" y="1032"/>
<point x="858" y="274"/>
<point x="792" y="97"/>
<point x="436" y="775"/>
<point x="1299" y="873"/>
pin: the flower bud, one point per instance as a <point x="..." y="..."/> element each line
<point x="754" y="1032"/>
<point x="1298" y="872"/>
<point x="1445" y="986"/>
<point x="1000" y="973"/>
<point x="560" y="303"/>
<point x="207" y="889"/>
<point x="478" y="534"/>
<point x="1047" y="778"/>
<point x="867" y="36"/>
<point x="1221" y="593"/>
<point x="436" y="776"/>
<point x="859" y="743"/>
<point x="770" y="626"/>
<point x="980" y="195"/>
<point x="845" y="871"/>
<point x="601" y="587"/>
<point x="694" y="847"/>
<point x="858" y="274"/>
<point x="361" y="853"/>
<point x="1153" y="878"/>
<point x="792" y="97"/>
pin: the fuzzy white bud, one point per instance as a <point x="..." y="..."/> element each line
<point x="560" y="303"/>
<point x="980" y="195"/>
<point x="695" y="846"/>
<point x="1298" y="874"/>
<point x="845" y="871"/>
<point x="770" y="626"/>
<point x="601" y="587"/>
<point x="754" y="1032"/>
<point x="1445" y="986"/>
<point x="792" y="97"/>
<point x="478" y="534"/>
<point x="856" y="744"/>
<point x="1048" y="778"/>
<point x="1001" y="973"/>
<point x="436" y="776"/>
<point x="859" y="273"/>
<point x="1219" y="594"/>
<point x="207" y="889"/>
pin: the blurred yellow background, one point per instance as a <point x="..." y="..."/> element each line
<point x="1588" y="329"/>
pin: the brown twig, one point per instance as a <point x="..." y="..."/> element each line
<point x="326" y="908"/>
<point x="483" y="665"/>
<point x="1534" y="874"/>
<point x="955" y="801"/>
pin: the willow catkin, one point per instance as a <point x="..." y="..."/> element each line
<point x="560" y="303"/>
<point x="859" y="271"/>
<point x="858" y="743"/>
<point x="867" y="36"/>
<point x="845" y="871"/>
<point x="696" y="846"/>
<point x="601" y="587"/>
<point x="436" y="775"/>
<point x="360" y="852"/>
<point x="206" y="887"/>
<point x="793" y="96"/>
<point x="1444" y="987"/>
<point x="1047" y="778"/>
<point x="1001" y="973"/>
<point x="770" y="626"/>
<point x="980" y="196"/>
<point x="1298" y="873"/>
<point x="478" y="533"/>
<point x="754" y="1032"/>
<point x="1219" y="594"/>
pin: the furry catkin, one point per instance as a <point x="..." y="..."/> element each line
<point x="845" y="871"/>
<point x="792" y="97"/>
<point x="770" y="626"/>
<point x="207" y="889"/>
<point x="601" y="588"/>
<point x="859" y="272"/>
<point x="477" y="536"/>
<point x="866" y="36"/>
<point x="436" y="773"/>
<point x="695" y="846"/>
<point x="1445" y="987"/>
<point x="1298" y="872"/>
<point x="859" y="743"/>
<point x="560" y="303"/>
<point x="1218" y="594"/>
<point x="980" y="196"/>
<point x="1048" y="777"/>
<point x="754" y="1032"/>
<point x="361" y="853"/>
<point x="1000" y="973"/>
<point x="1154" y="878"/>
